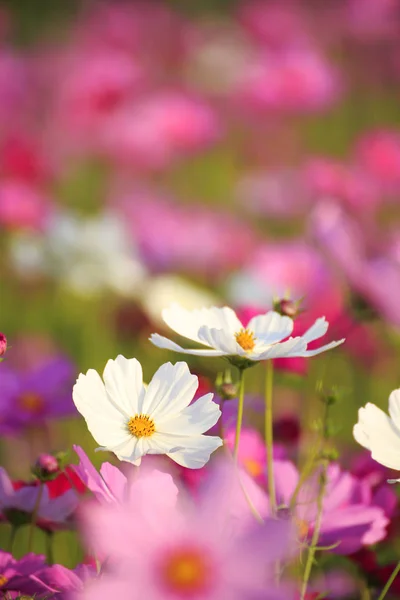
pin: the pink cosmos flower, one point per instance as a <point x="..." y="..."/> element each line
<point x="14" y="87"/>
<point x="251" y="456"/>
<point x="353" y="515"/>
<point x="192" y="550"/>
<point x="3" y="344"/>
<point x="17" y="503"/>
<point x="159" y="129"/>
<point x="293" y="82"/>
<point x="170" y="236"/>
<point x="94" y="85"/>
<point x="351" y="184"/>
<point x="108" y="486"/>
<point x="61" y="582"/>
<point x="375" y="277"/>
<point x="378" y="153"/>
<point x="23" y="206"/>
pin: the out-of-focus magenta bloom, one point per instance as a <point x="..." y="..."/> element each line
<point x="22" y="206"/>
<point x="3" y="344"/>
<point x="251" y="454"/>
<point x="195" y="549"/>
<point x="23" y="159"/>
<point x="61" y="582"/>
<point x="288" y="268"/>
<point x="108" y="486"/>
<point x="370" y="20"/>
<point x="32" y="397"/>
<point x="376" y="278"/>
<point x="18" y="576"/>
<point x="276" y="24"/>
<point x="93" y="86"/>
<point x="353" y="515"/>
<point x="170" y="236"/>
<point x="14" y="87"/>
<point x="159" y="129"/>
<point x="378" y="153"/>
<point x="350" y="184"/>
<point x="18" y="501"/>
<point x="296" y="81"/>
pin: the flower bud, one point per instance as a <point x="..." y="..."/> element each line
<point x="225" y="387"/>
<point x="287" y="307"/>
<point x="47" y="467"/>
<point x="3" y="344"/>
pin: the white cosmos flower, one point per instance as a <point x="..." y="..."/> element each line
<point x="224" y="335"/>
<point x="380" y="433"/>
<point x="131" y="419"/>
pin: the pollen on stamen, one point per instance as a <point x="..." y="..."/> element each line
<point x="245" y="339"/>
<point x="141" y="426"/>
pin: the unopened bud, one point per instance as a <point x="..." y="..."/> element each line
<point x="287" y="308"/>
<point x="47" y="467"/>
<point x="225" y="386"/>
<point x="3" y="344"/>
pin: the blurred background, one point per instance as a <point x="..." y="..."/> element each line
<point x="207" y="153"/>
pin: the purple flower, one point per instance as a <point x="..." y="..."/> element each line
<point x="34" y="396"/>
<point x="353" y="516"/>
<point x="61" y="581"/>
<point x="17" y="576"/>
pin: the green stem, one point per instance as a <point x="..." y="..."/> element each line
<point x="315" y="536"/>
<point x="49" y="547"/>
<point x="240" y="413"/>
<point x="390" y="581"/>
<point x="221" y="424"/>
<point x="305" y="473"/>
<point x="11" y="539"/>
<point x="34" y="517"/>
<point x="269" y="435"/>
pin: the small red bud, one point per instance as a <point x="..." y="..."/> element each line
<point x="47" y="464"/>
<point x="3" y="344"/>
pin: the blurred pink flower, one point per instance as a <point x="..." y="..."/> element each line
<point x="251" y="456"/>
<point x="371" y="19"/>
<point x="353" y="515"/>
<point x="23" y="159"/>
<point x="23" y="206"/>
<point x="296" y="81"/>
<point x="3" y="344"/>
<point x="276" y="24"/>
<point x="93" y="86"/>
<point x="351" y="184"/>
<point x="170" y="236"/>
<point x="14" y="87"/>
<point x="378" y="153"/>
<point x="375" y="276"/>
<point x="160" y="129"/>
<point x="18" y="576"/>
<point x="192" y="550"/>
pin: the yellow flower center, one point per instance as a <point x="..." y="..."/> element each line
<point x="302" y="528"/>
<point x="31" y="403"/>
<point x="253" y="467"/>
<point x="186" y="572"/>
<point x="3" y="580"/>
<point x="141" y="426"/>
<point x="245" y="339"/>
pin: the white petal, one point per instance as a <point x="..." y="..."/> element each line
<point x="196" y="452"/>
<point x="317" y="330"/>
<point x="105" y="421"/>
<point x="197" y="418"/>
<point x="321" y="348"/>
<point x="292" y="347"/>
<point x="171" y="390"/>
<point x="188" y="322"/>
<point x="123" y="379"/>
<point x="220" y="339"/>
<point x="130" y="451"/>
<point x="377" y="430"/>
<point x="394" y="407"/>
<point x="166" y="344"/>
<point x="271" y="327"/>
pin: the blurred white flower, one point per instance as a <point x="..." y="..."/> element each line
<point x="224" y="335"/>
<point x="380" y="433"/>
<point x="164" y="290"/>
<point x="89" y="256"/>
<point x="132" y="420"/>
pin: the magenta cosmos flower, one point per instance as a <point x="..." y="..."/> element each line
<point x="353" y="515"/>
<point x="18" y="576"/>
<point x="168" y="550"/>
